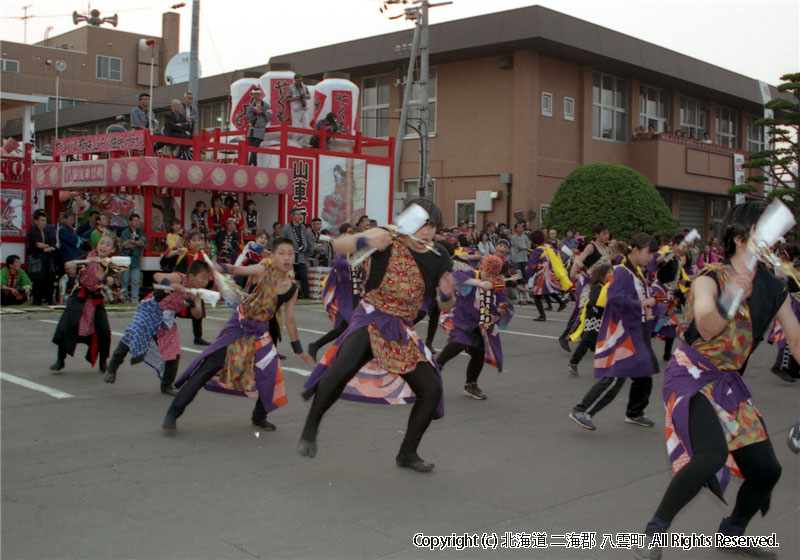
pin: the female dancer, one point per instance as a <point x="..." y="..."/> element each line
<point x="480" y="311"/>
<point x="243" y="356"/>
<point x="84" y="319"/>
<point x="547" y="274"/>
<point x="713" y="428"/>
<point x="401" y="273"/>
<point x="623" y="343"/>
<point x="592" y="315"/>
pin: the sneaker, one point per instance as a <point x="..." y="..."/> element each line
<point x="562" y="341"/>
<point x="640" y="421"/>
<point x="201" y="342"/>
<point x="563" y="305"/>
<point x="582" y="419"/>
<point x="782" y="373"/>
<point x="573" y="369"/>
<point x="540" y="318"/>
<point x="170" y="390"/>
<point x="58" y="365"/>
<point x="472" y="390"/>
<point x="170" y="423"/>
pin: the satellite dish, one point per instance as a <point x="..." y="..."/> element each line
<point x="61" y="65"/>
<point x="177" y="70"/>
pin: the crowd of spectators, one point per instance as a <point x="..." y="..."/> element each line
<point x="689" y="135"/>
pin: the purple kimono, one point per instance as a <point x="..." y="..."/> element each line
<point x="462" y="323"/>
<point x="622" y="348"/>
<point x="339" y="295"/>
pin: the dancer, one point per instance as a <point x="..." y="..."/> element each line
<point x="341" y="294"/>
<point x="480" y="311"/>
<point x="84" y="318"/>
<point x="669" y="285"/>
<point x="152" y="335"/>
<point x="243" y="358"/>
<point x="785" y="365"/>
<point x="180" y="261"/>
<point x="623" y="343"/>
<point x="592" y="315"/>
<point x="401" y="273"/>
<point x="548" y="277"/>
<point x="713" y="428"/>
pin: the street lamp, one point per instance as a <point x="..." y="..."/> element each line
<point x="60" y="67"/>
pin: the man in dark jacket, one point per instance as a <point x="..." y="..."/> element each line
<point x="176" y="125"/>
<point x="258" y="115"/>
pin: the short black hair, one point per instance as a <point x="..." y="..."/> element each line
<point x="134" y="215"/>
<point x="434" y="214"/>
<point x="344" y="228"/>
<point x="315" y="220"/>
<point x="198" y="266"/>
<point x="144" y="94"/>
<point x="282" y="241"/>
<point x="537" y="237"/>
<point x="11" y="259"/>
<point x="276" y="224"/>
<point x="737" y="223"/>
<point x="599" y="228"/>
<point x="599" y="273"/>
<point x="192" y="234"/>
<point x="38" y="214"/>
<point x="643" y="241"/>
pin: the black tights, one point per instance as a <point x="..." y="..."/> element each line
<point x="354" y="352"/>
<point x="331" y="335"/>
<point x="757" y="462"/>
<point x="477" y="355"/>
<point x="538" y="301"/>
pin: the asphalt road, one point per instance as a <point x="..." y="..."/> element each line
<point x="88" y="473"/>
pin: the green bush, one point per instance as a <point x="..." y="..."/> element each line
<point x="615" y="194"/>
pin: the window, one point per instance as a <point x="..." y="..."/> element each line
<point x="109" y="68"/>
<point x="412" y="189"/>
<point x="727" y="127"/>
<point x="50" y="106"/>
<point x="413" y="108"/>
<point x="465" y="211"/>
<point x="9" y="65"/>
<point x="755" y="135"/>
<point x="610" y="100"/>
<point x="694" y="117"/>
<point x="543" y="210"/>
<point x="653" y="108"/>
<point x="569" y="109"/>
<point x="547" y="104"/>
<point x="374" y="119"/>
<point x="214" y="115"/>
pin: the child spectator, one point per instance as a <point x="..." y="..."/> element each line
<point x="175" y="236"/>
<point x="15" y="285"/>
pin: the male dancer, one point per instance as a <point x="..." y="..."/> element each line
<point x="481" y="309"/>
<point x="180" y="262"/>
<point x="401" y="273"/>
<point x="152" y="335"/>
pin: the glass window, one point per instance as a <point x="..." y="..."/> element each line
<point x="465" y="211"/>
<point x="214" y="115"/>
<point x="374" y="120"/>
<point x="755" y="135"/>
<point x="694" y="116"/>
<point x="653" y="108"/>
<point x="610" y="111"/>
<point x="413" y="104"/>
<point x="569" y="109"/>
<point x="727" y="127"/>
<point x="547" y="104"/>
<point x="9" y="65"/>
<point x="109" y="68"/>
<point x="412" y="189"/>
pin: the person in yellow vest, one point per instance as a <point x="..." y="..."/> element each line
<point x="591" y="316"/>
<point x="547" y="275"/>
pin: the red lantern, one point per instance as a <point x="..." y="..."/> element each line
<point x="17" y="168"/>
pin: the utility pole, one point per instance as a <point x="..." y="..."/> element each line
<point x="25" y="17"/>
<point x="193" y="61"/>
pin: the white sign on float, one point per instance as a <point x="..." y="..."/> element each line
<point x="338" y="95"/>
<point x="241" y="97"/>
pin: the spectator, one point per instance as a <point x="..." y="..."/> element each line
<point x="41" y="266"/>
<point x="188" y="111"/>
<point x="85" y="230"/>
<point x="237" y="214"/>
<point x="485" y="245"/>
<point x="175" y="235"/>
<point x="250" y="217"/>
<point x="319" y="250"/>
<point x="67" y="241"/>
<point x="133" y="243"/>
<point x="373" y="223"/>
<point x="214" y="215"/>
<point x="707" y="138"/>
<point x="102" y="228"/>
<point x="303" y="241"/>
<point x="691" y="134"/>
<point x="176" y="126"/>
<point x="199" y="217"/>
<point x="520" y="248"/>
<point x="15" y="286"/>
<point x="638" y="132"/>
<point x="491" y="230"/>
<point x="363" y="223"/>
<point x="139" y="120"/>
<point x="708" y="256"/>
<point x="276" y="233"/>
<point x="67" y="282"/>
<point x="667" y="130"/>
<point x="227" y="242"/>
<point x="329" y="124"/>
<point x="117" y="125"/>
<point x="298" y="97"/>
<point x="568" y="242"/>
<point x="651" y="131"/>
<point x="552" y="240"/>
<point x="258" y="115"/>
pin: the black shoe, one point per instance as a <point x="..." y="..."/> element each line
<point x="312" y="350"/>
<point x="58" y="365"/>
<point x="562" y="341"/>
<point x="110" y="376"/>
<point x="540" y="318"/>
<point x="103" y="366"/>
<point x="780" y="372"/>
<point x="170" y="424"/>
<point x="171" y="391"/>
<point x="563" y="305"/>
<point x="264" y="424"/>
<point x="201" y="342"/>
<point x="307" y="448"/>
<point x="281" y="357"/>
<point x="415" y="464"/>
<point x="729" y="530"/>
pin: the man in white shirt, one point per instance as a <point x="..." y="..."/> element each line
<point x="298" y="97"/>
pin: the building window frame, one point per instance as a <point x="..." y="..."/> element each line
<point x="214" y="112"/>
<point x="104" y="68"/>
<point x="411" y="189"/>
<point x="653" y="107"/>
<point x="755" y="135"/>
<point x="413" y="103"/>
<point x="612" y="105"/>
<point x="466" y="214"/>
<point x="374" y="114"/>
<point x="727" y="121"/>
<point x="569" y="109"/>
<point x="543" y="210"/>
<point x="547" y="104"/>
<point x="694" y="117"/>
<point x="5" y="64"/>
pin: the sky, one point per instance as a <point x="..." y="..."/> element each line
<point x="757" y="38"/>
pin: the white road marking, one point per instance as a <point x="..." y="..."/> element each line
<point x="303" y="372"/>
<point x="192" y="350"/>
<point x="34" y="386"/>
